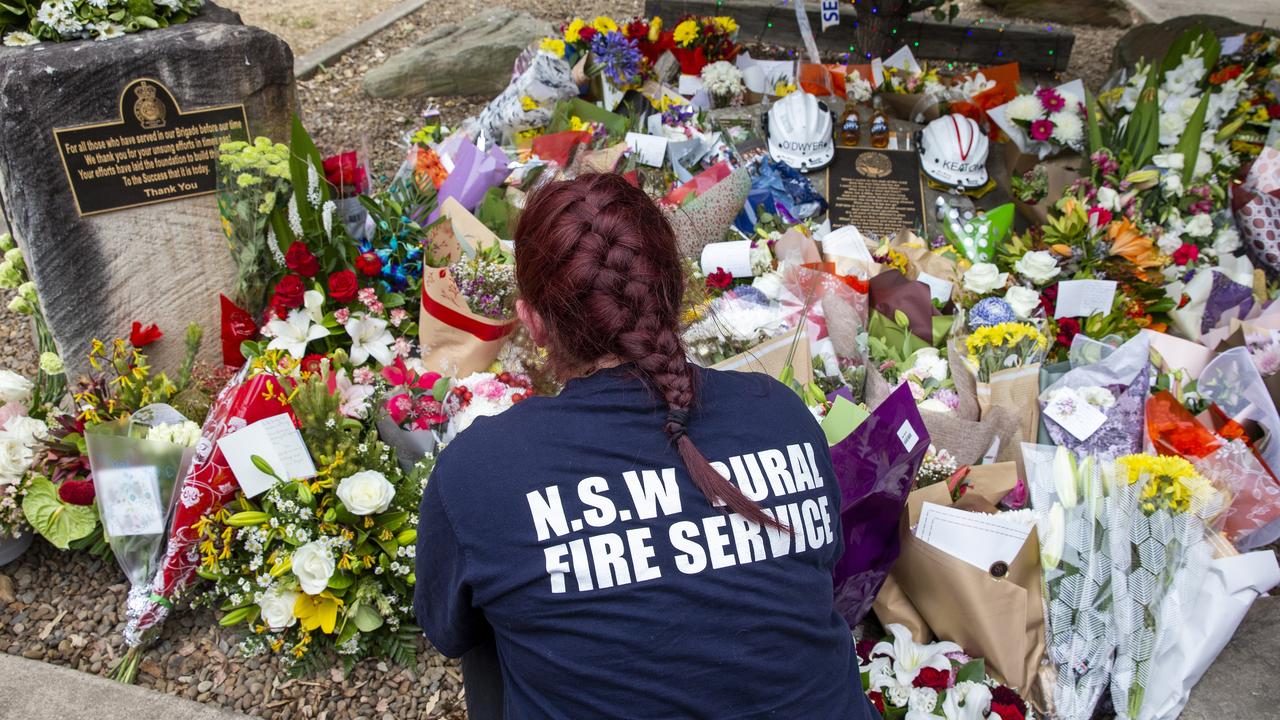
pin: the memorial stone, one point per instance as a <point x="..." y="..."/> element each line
<point x="107" y="153"/>
<point x="878" y="191"/>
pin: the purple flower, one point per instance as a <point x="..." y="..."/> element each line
<point x="619" y="55"/>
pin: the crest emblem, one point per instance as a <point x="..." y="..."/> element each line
<point x="149" y="111"/>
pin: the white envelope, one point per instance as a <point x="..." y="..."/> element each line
<point x="976" y="538"/>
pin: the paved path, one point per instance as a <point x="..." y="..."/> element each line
<point x="32" y="690"/>
<point x="1253" y="12"/>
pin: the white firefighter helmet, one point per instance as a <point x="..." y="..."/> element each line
<point x="953" y="152"/>
<point x="800" y="133"/>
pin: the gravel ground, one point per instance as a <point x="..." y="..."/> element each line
<point x="67" y="609"/>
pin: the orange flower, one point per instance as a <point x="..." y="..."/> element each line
<point x="1129" y="243"/>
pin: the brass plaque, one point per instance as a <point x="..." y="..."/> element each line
<point x="153" y="153"/>
<point x="878" y="191"/>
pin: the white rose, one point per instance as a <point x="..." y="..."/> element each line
<point x="366" y="493"/>
<point x="1024" y="301"/>
<point x="15" y="458"/>
<point x="185" y="433"/>
<point x="27" y="429"/>
<point x="983" y="278"/>
<point x="1199" y="225"/>
<point x="313" y="565"/>
<point x="1038" y="266"/>
<point x="277" y="607"/>
<point x="1226" y="241"/>
<point x="15" y="388"/>
<point x="1108" y="198"/>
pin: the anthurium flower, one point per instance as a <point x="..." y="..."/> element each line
<point x="293" y="333"/>
<point x="317" y="611"/>
<point x="369" y="338"/>
<point x="140" y="336"/>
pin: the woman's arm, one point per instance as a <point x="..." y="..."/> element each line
<point x="442" y="596"/>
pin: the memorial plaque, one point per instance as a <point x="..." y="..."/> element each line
<point x="152" y="153"/>
<point x="877" y="191"/>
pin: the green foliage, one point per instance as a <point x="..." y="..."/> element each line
<point x="59" y="522"/>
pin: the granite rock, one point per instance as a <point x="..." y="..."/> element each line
<point x="1106" y="13"/>
<point x="163" y="263"/>
<point x="1152" y="41"/>
<point x="473" y="57"/>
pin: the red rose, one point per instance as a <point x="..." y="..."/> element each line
<point x="1188" y="253"/>
<point x="1049" y="299"/>
<point x="863" y="648"/>
<point x="586" y="33"/>
<point x="877" y="698"/>
<point x="76" y="492"/>
<point x="343" y="286"/>
<point x="1008" y="704"/>
<point x="933" y="678"/>
<point x="288" y="294"/>
<point x="369" y="264"/>
<point x="720" y="279"/>
<point x="140" y="336"/>
<point x="1273" y="111"/>
<point x="1068" y="328"/>
<point x="345" y="172"/>
<point x="300" y="260"/>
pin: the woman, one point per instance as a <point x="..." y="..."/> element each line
<point x="620" y="573"/>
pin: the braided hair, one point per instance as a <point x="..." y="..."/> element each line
<point x="597" y="260"/>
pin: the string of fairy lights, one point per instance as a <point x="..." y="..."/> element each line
<point x="980" y="24"/>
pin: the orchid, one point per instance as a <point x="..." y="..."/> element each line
<point x="369" y="338"/>
<point x="294" y="333"/>
<point x="910" y="657"/>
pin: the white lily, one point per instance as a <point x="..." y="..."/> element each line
<point x="313" y="301"/>
<point x="1064" y="477"/>
<point x="967" y="701"/>
<point x="1053" y="536"/>
<point x="369" y="338"/>
<point x="353" y="399"/>
<point x="910" y="657"/>
<point x="293" y="333"/>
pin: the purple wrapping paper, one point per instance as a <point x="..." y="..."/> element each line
<point x="1226" y="294"/>
<point x="876" y="467"/>
<point x="473" y="173"/>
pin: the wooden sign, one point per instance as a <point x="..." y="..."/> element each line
<point x="877" y="191"/>
<point x="153" y="153"/>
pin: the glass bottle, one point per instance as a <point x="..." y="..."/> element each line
<point x="879" y="126"/>
<point x="851" y="127"/>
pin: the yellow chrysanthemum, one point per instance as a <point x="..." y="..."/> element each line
<point x="655" y="29"/>
<point x="573" y="33"/>
<point x="555" y="46"/>
<point x="783" y="88"/>
<point x="726" y="24"/>
<point x="686" y="32"/>
<point x="317" y="611"/>
<point x="604" y="24"/>
<point x="1172" y="483"/>
<point x="527" y="103"/>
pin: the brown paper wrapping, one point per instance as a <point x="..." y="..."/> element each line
<point x="1016" y="390"/>
<point x="454" y="340"/>
<point x="770" y="357"/>
<point x="999" y="619"/>
<point x="1060" y="172"/>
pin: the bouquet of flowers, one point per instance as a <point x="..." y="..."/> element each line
<point x="320" y="566"/>
<point x="724" y="84"/>
<point x="903" y="678"/>
<point x="938" y="465"/>
<point x="412" y="410"/>
<point x="28" y="23"/>
<point x="253" y="180"/>
<point x="487" y="280"/>
<point x="481" y="395"/>
<point x="1046" y="120"/>
<point x="1003" y="346"/>
<point x="703" y="40"/>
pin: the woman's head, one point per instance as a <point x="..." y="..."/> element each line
<point x="600" y="282"/>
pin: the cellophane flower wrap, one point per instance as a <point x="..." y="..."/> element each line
<point x="876" y="467"/>
<point x="1068" y="496"/>
<point x="1123" y="376"/>
<point x="1158" y="511"/>
<point x="1253" y="516"/>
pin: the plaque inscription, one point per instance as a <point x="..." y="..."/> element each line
<point x="878" y="191"/>
<point x="153" y="153"/>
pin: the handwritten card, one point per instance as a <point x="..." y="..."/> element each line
<point x="612" y="96"/>
<point x="277" y="442"/>
<point x="734" y="257"/>
<point x="1074" y="414"/>
<point x="1082" y="298"/>
<point x="129" y="500"/>
<point x="939" y="289"/>
<point x="648" y="150"/>
<point x="976" y="538"/>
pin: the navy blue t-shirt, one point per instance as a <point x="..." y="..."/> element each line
<point x="613" y="588"/>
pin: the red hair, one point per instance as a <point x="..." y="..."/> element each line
<point x="597" y="260"/>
